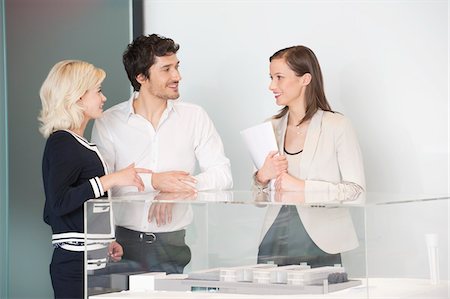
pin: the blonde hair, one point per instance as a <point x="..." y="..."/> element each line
<point x="66" y="83"/>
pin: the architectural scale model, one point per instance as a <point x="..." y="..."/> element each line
<point x="252" y="279"/>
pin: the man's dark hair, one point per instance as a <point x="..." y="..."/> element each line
<point x="140" y="55"/>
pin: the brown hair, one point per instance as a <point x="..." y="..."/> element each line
<point x="302" y="60"/>
<point x="140" y="55"/>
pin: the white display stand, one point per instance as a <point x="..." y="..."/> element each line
<point x="379" y="288"/>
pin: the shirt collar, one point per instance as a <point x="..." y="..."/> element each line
<point x="129" y="106"/>
<point x="171" y="106"/>
<point x="130" y="109"/>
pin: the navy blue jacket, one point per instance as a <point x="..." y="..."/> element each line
<point x="71" y="167"/>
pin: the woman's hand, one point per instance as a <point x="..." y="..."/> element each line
<point x="126" y="177"/>
<point x="274" y="165"/>
<point x="286" y="182"/>
<point x="115" y="251"/>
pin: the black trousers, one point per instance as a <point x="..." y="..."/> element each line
<point x="158" y="252"/>
<point x="66" y="272"/>
<point x="288" y="243"/>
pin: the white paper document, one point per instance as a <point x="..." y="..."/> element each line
<point x="260" y="140"/>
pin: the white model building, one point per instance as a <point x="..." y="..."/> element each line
<point x="251" y="279"/>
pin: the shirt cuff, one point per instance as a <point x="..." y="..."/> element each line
<point x="147" y="179"/>
<point x="97" y="187"/>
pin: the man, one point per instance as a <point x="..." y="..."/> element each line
<point x="155" y="131"/>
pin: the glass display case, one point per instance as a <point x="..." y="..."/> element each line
<point x="249" y="244"/>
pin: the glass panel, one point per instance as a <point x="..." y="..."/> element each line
<point x="227" y="242"/>
<point x="407" y="248"/>
<point x="3" y="164"/>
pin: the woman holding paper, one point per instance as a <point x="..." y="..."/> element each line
<point x="319" y="157"/>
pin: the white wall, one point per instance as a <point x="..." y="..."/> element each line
<point x="385" y="66"/>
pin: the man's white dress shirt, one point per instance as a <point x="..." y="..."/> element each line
<point x="184" y="136"/>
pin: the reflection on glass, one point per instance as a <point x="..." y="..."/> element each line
<point x="152" y="233"/>
<point x="287" y="242"/>
<point x="297" y="232"/>
<point x="151" y="228"/>
<point x="99" y="234"/>
<point x="308" y="198"/>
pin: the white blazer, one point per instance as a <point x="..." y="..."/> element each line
<point x="332" y="167"/>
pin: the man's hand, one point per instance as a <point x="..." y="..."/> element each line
<point x="162" y="211"/>
<point x="173" y="181"/>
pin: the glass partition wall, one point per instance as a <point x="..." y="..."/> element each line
<point x="3" y="163"/>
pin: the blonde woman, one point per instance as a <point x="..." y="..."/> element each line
<point x="72" y="168"/>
